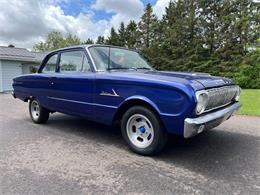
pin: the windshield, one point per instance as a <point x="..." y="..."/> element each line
<point x="109" y="58"/>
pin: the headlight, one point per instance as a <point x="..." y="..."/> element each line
<point x="202" y="101"/>
<point x="238" y="94"/>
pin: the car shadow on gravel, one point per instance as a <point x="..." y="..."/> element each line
<point x="60" y="123"/>
<point x="216" y="153"/>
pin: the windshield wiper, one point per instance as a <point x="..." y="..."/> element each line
<point x="132" y="68"/>
<point x="121" y="68"/>
<point x="144" y="68"/>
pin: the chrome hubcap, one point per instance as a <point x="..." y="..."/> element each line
<point x="35" y="109"/>
<point x="140" y="130"/>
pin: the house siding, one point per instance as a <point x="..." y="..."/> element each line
<point x="1" y="79"/>
<point x="10" y="70"/>
<point x="26" y="68"/>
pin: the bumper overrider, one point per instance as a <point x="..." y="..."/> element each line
<point x="194" y="126"/>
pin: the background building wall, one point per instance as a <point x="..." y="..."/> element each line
<point x="10" y="70"/>
<point x="1" y="80"/>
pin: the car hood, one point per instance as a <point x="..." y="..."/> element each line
<point x="197" y="81"/>
<point x="204" y="79"/>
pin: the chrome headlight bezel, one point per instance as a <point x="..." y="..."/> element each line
<point x="237" y="97"/>
<point x="202" y="98"/>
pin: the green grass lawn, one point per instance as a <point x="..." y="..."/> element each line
<point x="250" y="99"/>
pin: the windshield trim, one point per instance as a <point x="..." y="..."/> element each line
<point x="109" y="46"/>
<point x="91" y="59"/>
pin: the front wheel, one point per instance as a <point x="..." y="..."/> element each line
<point x="143" y="131"/>
<point x="38" y="113"/>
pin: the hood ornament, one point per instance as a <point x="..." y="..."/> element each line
<point x="113" y="94"/>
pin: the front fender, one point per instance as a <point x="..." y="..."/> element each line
<point x="141" y="98"/>
<point x="173" y="122"/>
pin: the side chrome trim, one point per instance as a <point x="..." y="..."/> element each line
<point x="113" y="94"/>
<point x="80" y="102"/>
<point x="194" y="126"/>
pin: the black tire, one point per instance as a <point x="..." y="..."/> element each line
<point x="160" y="135"/>
<point x="41" y="115"/>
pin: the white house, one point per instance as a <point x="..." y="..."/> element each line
<point x="14" y="62"/>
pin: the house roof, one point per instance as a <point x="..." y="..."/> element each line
<point x="20" y="54"/>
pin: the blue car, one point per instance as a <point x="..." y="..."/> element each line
<point x="108" y="84"/>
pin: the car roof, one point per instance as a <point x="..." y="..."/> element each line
<point x="87" y="46"/>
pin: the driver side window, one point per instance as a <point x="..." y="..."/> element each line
<point x="73" y="61"/>
<point x="50" y="66"/>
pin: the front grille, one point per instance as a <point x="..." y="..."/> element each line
<point x="221" y="96"/>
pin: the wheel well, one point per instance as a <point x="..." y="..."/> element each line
<point x="136" y="102"/>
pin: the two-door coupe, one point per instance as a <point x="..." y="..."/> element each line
<point x="108" y="84"/>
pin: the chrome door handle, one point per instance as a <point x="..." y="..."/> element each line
<point x="51" y="80"/>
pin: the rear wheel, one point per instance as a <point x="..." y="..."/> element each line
<point x="143" y="131"/>
<point x="38" y="113"/>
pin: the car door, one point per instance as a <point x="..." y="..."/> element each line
<point x="42" y="86"/>
<point x="72" y="85"/>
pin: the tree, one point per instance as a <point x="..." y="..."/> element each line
<point x="149" y="34"/>
<point x="122" y="35"/>
<point x="248" y="75"/>
<point x="182" y="44"/>
<point x="113" y="39"/>
<point x="146" y="26"/>
<point x="100" y="40"/>
<point x="56" y="40"/>
<point x="211" y="24"/>
<point x="240" y="27"/>
<point x="131" y="35"/>
<point x="88" y="41"/>
<point x="71" y="40"/>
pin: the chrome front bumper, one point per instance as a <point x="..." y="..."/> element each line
<point x="194" y="126"/>
<point x="13" y="94"/>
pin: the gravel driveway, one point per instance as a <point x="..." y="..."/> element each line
<point x="69" y="155"/>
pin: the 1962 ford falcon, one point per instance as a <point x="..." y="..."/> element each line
<point x="108" y="84"/>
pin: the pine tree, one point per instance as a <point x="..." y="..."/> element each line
<point x="88" y="41"/>
<point x="210" y="22"/>
<point x="147" y="25"/>
<point x="113" y="39"/>
<point x="131" y="35"/>
<point x="182" y="45"/>
<point x="100" y="40"/>
<point x="240" y="27"/>
<point x="122" y="35"/>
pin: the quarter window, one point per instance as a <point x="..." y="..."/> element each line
<point x="50" y="66"/>
<point x="73" y="61"/>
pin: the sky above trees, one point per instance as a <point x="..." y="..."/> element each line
<point x="24" y="23"/>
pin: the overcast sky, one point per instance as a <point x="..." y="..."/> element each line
<point x="26" y="22"/>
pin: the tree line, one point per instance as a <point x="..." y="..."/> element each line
<point x="220" y="37"/>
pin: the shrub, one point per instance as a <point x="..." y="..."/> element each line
<point x="248" y="75"/>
